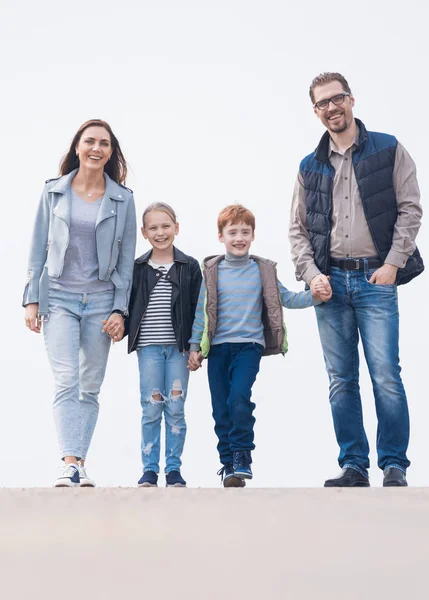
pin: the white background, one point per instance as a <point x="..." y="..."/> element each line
<point x="210" y="103"/>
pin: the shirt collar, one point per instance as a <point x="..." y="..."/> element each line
<point x="354" y="144"/>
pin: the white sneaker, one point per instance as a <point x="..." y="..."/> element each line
<point x="85" y="481"/>
<point x="68" y="478"/>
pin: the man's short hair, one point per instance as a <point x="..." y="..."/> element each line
<point x="235" y="213"/>
<point x="324" y="78"/>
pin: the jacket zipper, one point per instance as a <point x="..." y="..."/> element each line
<point x="283" y="323"/>
<point x="138" y="330"/>
<point x="140" y="322"/>
<point x="328" y="242"/>
<point x="181" y="306"/>
<point x="109" y="268"/>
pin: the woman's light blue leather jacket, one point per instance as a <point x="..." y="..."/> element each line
<point x="115" y="234"/>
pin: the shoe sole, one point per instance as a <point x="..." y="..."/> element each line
<point x="147" y="484"/>
<point x="91" y="485"/>
<point x="359" y="485"/>
<point x="175" y="485"/>
<point x="396" y="484"/>
<point x="66" y="485"/>
<point x="234" y="482"/>
<point x="243" y="475"/>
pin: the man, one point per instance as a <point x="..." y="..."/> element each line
<point x="354" y="219"/>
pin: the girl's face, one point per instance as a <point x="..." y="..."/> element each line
<point x="94" y="148"/>
<point x="159" y="230"/>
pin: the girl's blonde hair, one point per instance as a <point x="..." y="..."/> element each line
<point x="163" y="207"/>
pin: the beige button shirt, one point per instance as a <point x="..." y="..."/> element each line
<point x="350" y="234"/>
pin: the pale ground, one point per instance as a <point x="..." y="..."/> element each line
<point x="214" y="543"/>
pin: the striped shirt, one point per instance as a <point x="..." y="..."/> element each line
<point x="156" y="326"/>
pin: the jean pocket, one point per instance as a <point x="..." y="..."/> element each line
<point x="386" y="286"/>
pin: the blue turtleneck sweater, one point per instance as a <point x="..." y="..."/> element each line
<point x="239" y="317"/>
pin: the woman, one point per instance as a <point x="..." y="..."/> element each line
<point x="79" y="281"/>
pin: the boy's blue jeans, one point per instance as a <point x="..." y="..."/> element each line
<point x="371" y="310"/>
<point x="232" y="370"/>
<point x="163" y="374"/>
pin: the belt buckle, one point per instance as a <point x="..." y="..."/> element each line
<point x="352" y="264"/>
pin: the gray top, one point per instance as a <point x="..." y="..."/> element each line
<point x="80" y="272"/>
<point x="350" y="234"/>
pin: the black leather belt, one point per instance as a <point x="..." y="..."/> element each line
<point x="355" y="264"/>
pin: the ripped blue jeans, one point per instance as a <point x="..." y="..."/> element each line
<point x="163" y="386"/>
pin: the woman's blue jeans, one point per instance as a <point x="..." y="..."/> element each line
<point x="77" y="351"/>
<point x="163" y="387"/>
<point x="371" y="310"/>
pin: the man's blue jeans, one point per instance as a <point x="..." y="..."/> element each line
<point x="163" y="386"/>
<point x="232" y="370"/>
<point x="371" y="310"/>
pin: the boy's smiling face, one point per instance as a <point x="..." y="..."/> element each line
<point x="237" y="237"/>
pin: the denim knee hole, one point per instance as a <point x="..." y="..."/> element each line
<point x="176" y="390"/>
<point x="147" y="449"/>
<point x="157" y="397"/>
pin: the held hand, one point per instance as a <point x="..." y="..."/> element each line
<point x="321" y="288"/>
<point x="385" y="275"/>
<point x="195" y="360"/>
<point x="32" y="320"/>
<point x="114" y="327"/>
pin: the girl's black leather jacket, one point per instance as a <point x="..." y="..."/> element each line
<point x="185" y="276"/>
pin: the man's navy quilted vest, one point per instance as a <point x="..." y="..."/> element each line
<point x="373" y="162"/>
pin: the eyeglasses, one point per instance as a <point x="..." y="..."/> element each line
<point x="337" y="100"/>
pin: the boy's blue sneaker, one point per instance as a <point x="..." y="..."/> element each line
<point x="242" y="460"/>
<point x="69" y="477"/>
<point x="149" y="479"/>
<point x="174" y="479"/>
<point x="228" y="477"/>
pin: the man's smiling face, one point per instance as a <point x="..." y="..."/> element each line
<point x="335" y="117"/>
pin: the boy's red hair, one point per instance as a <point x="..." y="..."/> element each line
<point x="235" y="213"/>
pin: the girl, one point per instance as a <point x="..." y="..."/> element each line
<point x="79" y="281"/>
<point x="166" y="284"/>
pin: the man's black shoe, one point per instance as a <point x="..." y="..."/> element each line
<point x="394" y="477"/>
<point x="348" y="478"/>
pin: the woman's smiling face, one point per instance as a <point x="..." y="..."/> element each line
<point x="94" y="148"/>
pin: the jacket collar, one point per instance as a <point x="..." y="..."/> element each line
<point x="113" y="190"/>
<point x="178" y="256"/>
<point x="322" y="150"/>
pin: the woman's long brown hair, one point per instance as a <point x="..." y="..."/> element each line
<point x="116" y="167"/>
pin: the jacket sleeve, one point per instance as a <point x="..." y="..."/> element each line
<point x="198" y="326"/>
<point x="38" y="250"/>
<point x="196" y="278"/>
<point x="301" y="249"/>
<point x="409" y="209"/>
<point x="125" y="263"/>
<point x="134" y="288"/>
<point x="296" y="299"/>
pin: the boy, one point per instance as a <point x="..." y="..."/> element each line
<point x="239" y="318"/>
